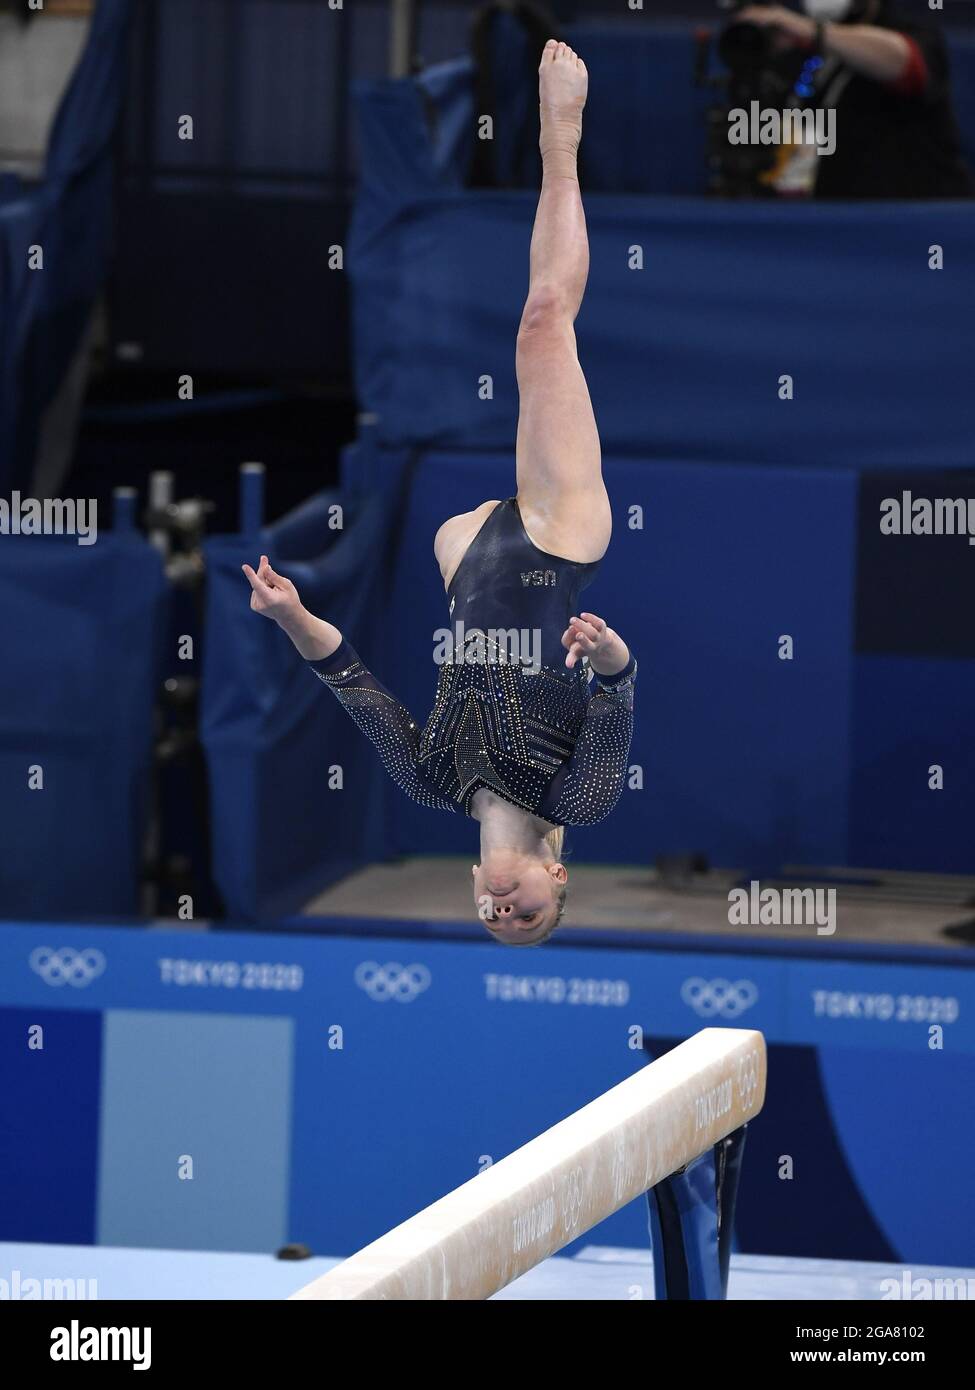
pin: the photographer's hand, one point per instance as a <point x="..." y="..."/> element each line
<point x="881" y="54"/>
<point x="797" y="28"/>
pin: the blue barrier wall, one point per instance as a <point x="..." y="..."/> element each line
<point x="326" y="1088"/>
<point x="744" y="756"/>
<point x="80" y="632"/>
<point x="757" y="762"/>
<point x="684" y="356"/>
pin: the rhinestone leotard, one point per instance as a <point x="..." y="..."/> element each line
<point x="508" y="714"/>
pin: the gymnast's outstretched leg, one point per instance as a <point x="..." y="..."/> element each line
<point x="561" y="493"/>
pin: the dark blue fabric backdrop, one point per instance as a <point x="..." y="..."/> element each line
<point x="683" y="357"/>
<point x="80" y="630"/>
<point x="43" y="312"/>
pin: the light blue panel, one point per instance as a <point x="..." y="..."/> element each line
<point x="215" y="1087"/>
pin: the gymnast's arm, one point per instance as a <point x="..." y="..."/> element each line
<point x="387" y="724"/>
<point x="585" y="789"/>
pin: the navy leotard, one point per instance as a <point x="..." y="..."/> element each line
<point x="504" y="582"/>
<point x="509" y="717"/>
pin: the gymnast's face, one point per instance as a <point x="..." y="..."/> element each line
<point x="517" y="898"/>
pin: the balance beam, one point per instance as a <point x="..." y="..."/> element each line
<point x="516" y="1213"/>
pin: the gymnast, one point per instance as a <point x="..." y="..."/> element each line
<point x="518" y="740"/>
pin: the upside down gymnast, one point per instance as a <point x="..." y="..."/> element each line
<point x="523" y="748"/>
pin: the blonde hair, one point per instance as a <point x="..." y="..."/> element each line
<point x="555" y="839"/>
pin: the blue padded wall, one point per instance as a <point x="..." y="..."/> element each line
<point x="744" y="756"/>
<point x="80" y="631"/>
<point x="683" y="357"/>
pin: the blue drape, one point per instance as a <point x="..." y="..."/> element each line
<point x="43" y="312"/>
<point x="80" y="632"/>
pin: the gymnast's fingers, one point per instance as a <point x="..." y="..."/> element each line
<point x="584" y="629"/>
<point x="598" y="623"/>
<point x="255" y="581"/>
<point x="576" y="651"/>
<point x="576" y="635"/>
<point x="279" y="580"/>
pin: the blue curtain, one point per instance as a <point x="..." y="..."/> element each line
<point x="80" y="632"/>
<point x="43" y="312"/>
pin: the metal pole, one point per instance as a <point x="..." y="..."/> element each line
<point x="402" y="33"/>
<point x="251" y="498"/>
<point x="123" y="510"/>
<point x="160" y="500"/>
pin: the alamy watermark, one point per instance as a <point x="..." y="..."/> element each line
<point x="78" y="1343"/>
<point x="799" y="125"/>
<point x="912" y="1289"/>
<point x="503" y="646"/>
<point x="21" y="1289"/>
<point x="756" y="906"/>
<point x="50" y="516"/>
<point x="908" y="515"/>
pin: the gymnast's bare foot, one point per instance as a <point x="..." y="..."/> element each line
<point x="562" y="86"/>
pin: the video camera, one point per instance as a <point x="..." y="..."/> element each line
<point x="757" y="70"/>
<point x="743" y="46"/>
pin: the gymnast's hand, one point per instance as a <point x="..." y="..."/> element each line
<point x="276" y="597"/>
<point x="589" y="636"/>
<point x="272" y="594"/>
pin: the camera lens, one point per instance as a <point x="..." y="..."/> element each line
<point x="743" y="46"/>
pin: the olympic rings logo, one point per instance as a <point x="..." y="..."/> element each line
<point x="67" y="966"/>
<point x="392" y="981"/>
<point x="571" y="1199"/>
<point x="747" y="1078"/>
<point x="718" y="998"/>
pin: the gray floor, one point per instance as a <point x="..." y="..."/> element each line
<point x="900" y="909"/>
<point x="97" y="1273"/>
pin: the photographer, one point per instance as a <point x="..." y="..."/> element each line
<point x="888" y="80"/>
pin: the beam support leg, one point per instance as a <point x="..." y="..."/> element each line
<point x="692" y="1222"/>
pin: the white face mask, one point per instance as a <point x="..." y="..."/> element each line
<point x="827" y="11"/>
